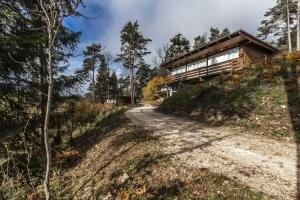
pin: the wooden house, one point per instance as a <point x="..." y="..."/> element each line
<point x="224" y="55"/>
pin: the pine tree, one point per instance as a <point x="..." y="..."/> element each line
<point x="215" y="33"/>
<point x="31" y="77"/>
<point x="199" y="41"/>
<point x="133" y="50"/>
<point x="102" y="81"/>
<point x="113" y="85"/>
<point x="92" y="59"/>
<point x="276" y="23"/>
<point x="143" y="76"/>
<point x="178" y="46"/>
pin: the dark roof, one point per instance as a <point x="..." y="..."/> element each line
<point x="249" y="36"/>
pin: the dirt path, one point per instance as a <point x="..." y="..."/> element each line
<point x="264" y="164"/>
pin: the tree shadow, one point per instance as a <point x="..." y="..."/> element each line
<point x="290" y="73"/>
<point x="88" y="138"/>
<point x="142" y="166"/>
<point x="170" y="190"/>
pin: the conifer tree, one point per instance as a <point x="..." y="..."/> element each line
<point x="133" y="50"/>
<point x="113" y="85"/>
<point x="102" y="80"/>
<point x="92" y="59"/>
<point x="279" y="21"/>
<point x="199" y="41"/>
<point x="178" y="46"/>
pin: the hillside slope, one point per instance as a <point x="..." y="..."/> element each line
<point x="123" y="161"/>
<point x="260" y="99"/>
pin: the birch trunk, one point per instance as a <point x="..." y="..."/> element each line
<point x="47" y="116"/>
<point x="288" y="27"/>
<point x="298" y="25"/>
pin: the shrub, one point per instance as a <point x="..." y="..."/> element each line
<point x="152" y="86"/>
<point x="86" y="111"/>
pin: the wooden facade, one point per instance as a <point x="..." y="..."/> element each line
<point x="224" y="55"/>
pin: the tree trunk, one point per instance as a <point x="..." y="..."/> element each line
<point x="47" y="116"/>
<point x="131" y="87"/>
<point x="298" y="25"/>
<point x="288" y="27"/>
<point x="93" y="81"/>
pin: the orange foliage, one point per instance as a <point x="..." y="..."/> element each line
<point x="153" y="85"/>
<point x="65" y="154"/>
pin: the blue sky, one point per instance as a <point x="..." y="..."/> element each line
<point x="161" y="19"/>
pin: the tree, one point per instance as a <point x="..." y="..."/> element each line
<point x="215" y="33"/>
<point x="133" y="50"/>
<point x="153" y="86"/>
<point x="92" y="58"/>
<point x="225" y="32"/>
<point x="102" y="83"/>
<point x="143" y="75"/>
<point x="298" y="25"/>
<point x="288" y="26"/>
<point x="199" y="41"/>
<point x="178" y="46"/>
<point x="53" y="13"/>
<point x="280" y="23"/>
<point x="113" y="85"/>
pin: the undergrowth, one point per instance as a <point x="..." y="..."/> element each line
<point x="254" y="98"/>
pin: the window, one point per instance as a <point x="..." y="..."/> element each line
<point x="217" y="58"/>
<point x="224" y="56"/>
<point x="233" y="53"/>
<point x="178" y="70"/>
<point x="197" y="64"/>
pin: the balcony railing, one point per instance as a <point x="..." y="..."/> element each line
<point x="206" y="71"/>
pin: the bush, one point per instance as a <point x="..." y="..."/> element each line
<point x="87" y="111"/>
<point x="152" y="86"/>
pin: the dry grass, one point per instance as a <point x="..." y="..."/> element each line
<point x="254" y="99"/>
<point x="122" y="161"/>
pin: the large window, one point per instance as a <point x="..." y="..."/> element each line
<point x="224" y="56"/>
<point x="217" y="58"/>
<point x="178" y="70"/>
<point x="197" y="64"/>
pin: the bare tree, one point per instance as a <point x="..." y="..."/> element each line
<point x="53" y="12"/>
<point x="162" y="53"/>
<point x="298" y="25"/>
<point x="288" y="26"/>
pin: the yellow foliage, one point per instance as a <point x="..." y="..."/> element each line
<point x="236" y="79"/>
<point x="141" y="190"/>
<point x="292" y="57"/>
<point x="125" y="195"/>
<point x="152" y="86"/>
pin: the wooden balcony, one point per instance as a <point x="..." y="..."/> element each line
<point x="219" y="68"/>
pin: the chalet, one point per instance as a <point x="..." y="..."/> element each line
<point x="224" y="55"/>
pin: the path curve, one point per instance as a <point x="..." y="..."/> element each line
<point x="264" y="164"/>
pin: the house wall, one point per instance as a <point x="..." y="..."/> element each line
<point x="253" y="55"/>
